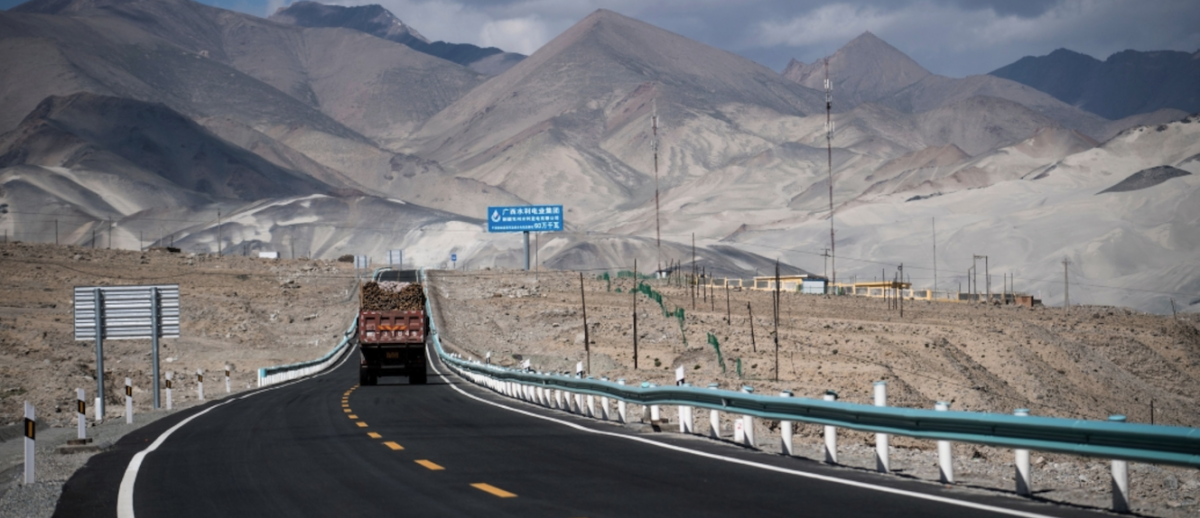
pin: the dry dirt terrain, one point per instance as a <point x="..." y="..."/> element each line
<point x="252" y="313"/>
<point x="247" y="313"/>
<point x="1089" y="363"/>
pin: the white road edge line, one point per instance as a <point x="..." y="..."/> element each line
<point x="125" y="494"/>
<point x="863" y="485"/>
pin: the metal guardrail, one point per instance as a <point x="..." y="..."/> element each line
<point x="1156" y="444"/>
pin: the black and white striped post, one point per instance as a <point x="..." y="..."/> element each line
<point x="128" y="401"/>
<point x="169" y="376"/>
<point x="830" y="433"/>
<point x="227" y="387"/>
<point x="81" y="413"/>
<point x="30" y="435"/>
<point x="200" y="384"/>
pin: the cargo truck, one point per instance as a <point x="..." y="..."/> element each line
<point x="392" y="328"/>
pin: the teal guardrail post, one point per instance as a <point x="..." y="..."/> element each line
<point x="714" y="418"/>
<point x="1021" y="460"/>
<point x="830" y="433"/>
<point x="882" y="464"/>
<point x="945" y="454"/>
<point x="1120" y="478"/>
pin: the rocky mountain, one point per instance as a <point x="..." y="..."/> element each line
<point x="1127" y="83"/>
<point x="571" y="123"/>
<point x="865" y="69"/>
<point x="375" y="20"/>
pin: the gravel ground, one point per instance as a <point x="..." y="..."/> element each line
<point x="52" y="469"/>
<point x="1089" y="363"/>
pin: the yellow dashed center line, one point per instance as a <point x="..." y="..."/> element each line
<point x="352" y="416"/>
<point x="361" y="424"/>
<point x="373" y="435"/>
<point x="346" y="410"/>
<point x="493" y="490"/>
<point x="430" y="465"/>
<point x="393" y="446"/>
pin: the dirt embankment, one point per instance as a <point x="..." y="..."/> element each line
<point x="247" y="313"/>
<point x="1089" y="363"/>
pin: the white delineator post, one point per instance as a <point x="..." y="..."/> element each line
<point x="30" y="435"/>
<point x="945" y="454"/>
<point x="748" y="422"/>
<point x="830" y="433"/>
<point x="81" y="413"/>
<point x="1024" y="481"/>
<point x="785" y="429"/>
<point x="882" y="463"/>
<point x="622" y="416"/>
<point x="169" y="375"/>
<point x="604" y="408"/>
<point x="200" y="384"/>
<point x="591" y="406"/>
<point x="714" y="418"/>
<point x="1120" y="478"/>
<point x="558" y="399"/>
<point x="128" y="401"/>
<point x="227" y="387"/>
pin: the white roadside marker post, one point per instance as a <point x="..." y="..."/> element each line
<point x="591" y="406"/>
<point x="622" y="416"/>
<point x="605" y="412"/>
<point x="830" y="433"/>
<point x="882" y="463"/>
<point x="1024" y="481"/>
<point x="655" y="411"/>
<point x="200" y="384"/>
<point x="1120" y="478"/>
<point x="748" y="422"/>
<point x="714" y="418"/>
<point x="945" y="454"/>
<point x="785" y="430"/>
<point x="558" y="399"/>
<point x="169" y="376"/>
<point x="81" y="413"/>
<point x="227" y="387"/>
<point x="128" y="401"/>
<point x="30" y="435"/>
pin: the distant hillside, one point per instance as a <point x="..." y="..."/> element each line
<point x="1127" y="83"/>
<point x="375" y="20"/>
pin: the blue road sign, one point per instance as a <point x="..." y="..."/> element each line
<point x="454" y="258"/>
<point x="525" y="218"/>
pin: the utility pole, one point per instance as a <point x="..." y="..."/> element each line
<point x="587" y="347"/>
<point x="654" y="144"/>
<point x="635" y="331"/>
<point x="218" y="232"/>
<point x="56" y="232"/>
<point x="1066" y="286"/>
<point x="694" y="283"/>
<point x="934" y="223"/>
<point x="777" y="302"/>
<point x="825" y="254"/>
<point x="900" y="290"/>
<point x="829" y="150"/>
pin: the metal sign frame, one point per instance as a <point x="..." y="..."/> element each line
<point x="395" y="257"/>
<point x="126" y="312"/>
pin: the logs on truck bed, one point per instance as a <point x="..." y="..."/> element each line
<point x="409" y="298"/>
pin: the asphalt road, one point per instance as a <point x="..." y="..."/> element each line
<point x="324" y="447"/>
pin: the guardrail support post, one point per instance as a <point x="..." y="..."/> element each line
<point x="1120" y="478"/>
<point x="579" y="403"/>
<point x="81" y="413"/>
<point x="128" y="401"/>
<point x="591" y="406"/>
<point x="714" y="418"/>
<point x="1024" y="480"/>
<point x="686" y="424"/>
<point x="622" y="413"/>
<point x="945" y="454"/>
<point x="558" y="399"/>
<point x="604" y="407"/>
<point x="748" y="422"/>
<point x="882" y="463"/>
<point x="785" y="430"/>
<point x="200" y="384"/>
<point x="830" y="433"/>
<point x="30" y="436"/>
<point x="169" y="376"/>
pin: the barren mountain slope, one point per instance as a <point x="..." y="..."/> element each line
<point x="865" y="69"/>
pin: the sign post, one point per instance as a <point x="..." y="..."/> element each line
<point x="453" y="261"/>
<point x="525" y="219"/>
<point x="126" y="313"/>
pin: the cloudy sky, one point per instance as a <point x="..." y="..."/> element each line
<point x="949" y="37"/>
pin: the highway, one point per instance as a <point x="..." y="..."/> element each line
<point x="326" y="447"/>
